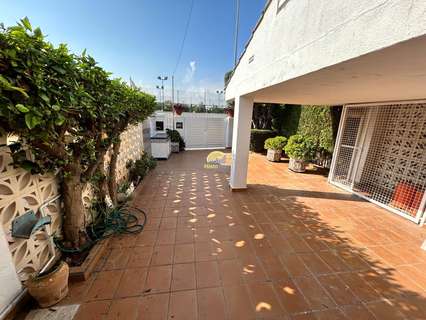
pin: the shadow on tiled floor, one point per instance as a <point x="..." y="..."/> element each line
<point x="289" y="247"/>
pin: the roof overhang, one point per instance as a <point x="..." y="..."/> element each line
<point x="394" y="73"/>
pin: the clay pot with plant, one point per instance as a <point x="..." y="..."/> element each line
<point x="178" y="144"/>
<point x="50" y="287"/>
<point x="229" y="112"/>
<point x="300" y="149"/>
<point x="178" y="109"/>
<point x="275" y="147"/>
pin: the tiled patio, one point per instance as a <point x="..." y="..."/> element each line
<point x="290" y="247"/>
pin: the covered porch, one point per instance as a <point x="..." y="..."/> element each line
<point x="369" y="58"/>
<point x="291" y="246"/>
<point x="380" y="149"/>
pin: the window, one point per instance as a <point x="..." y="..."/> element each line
<point x="179" y="125"/>
<point x="159" y="125"/>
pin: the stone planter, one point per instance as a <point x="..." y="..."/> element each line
<point x="175" y="147"/>
<point x="83" y="272"/>
<point x="297" y="165"/>
<point x="50" y="288"/>
<point x="274" y="155"/>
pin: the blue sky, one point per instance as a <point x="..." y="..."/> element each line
<point x="141" y="38"/>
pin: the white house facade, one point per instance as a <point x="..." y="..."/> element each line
<point x="368" y="55"/>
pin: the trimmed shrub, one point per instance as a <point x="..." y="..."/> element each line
<point x="300" y="147"/>
<point x="258" y="137"/>
<point x="277" y="143"/>
<point x="139" y="169"/>
<point x="175" y="136"/>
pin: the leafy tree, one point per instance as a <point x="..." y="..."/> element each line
<point x="135" y="106"/>
<point x="65" y="110"/>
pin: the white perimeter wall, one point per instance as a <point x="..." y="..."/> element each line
<point x="297" y="37"/>
<point x="200" y="130"/>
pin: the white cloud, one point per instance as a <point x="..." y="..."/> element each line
<point x="190" y="72"/>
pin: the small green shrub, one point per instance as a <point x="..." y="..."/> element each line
<point x="139" y="168"/>
<point x="258" y="137"/>
<point x="175" y="136"/>
<point x="300" y="147"/>
<point x="123" y="187"/>
<point x="277" y="143"/>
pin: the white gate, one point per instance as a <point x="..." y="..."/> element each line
<point x="199" y="130"/>
<point x="381" y="156"/>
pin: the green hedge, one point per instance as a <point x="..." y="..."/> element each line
<point x="258" y="137"/>
<point x="289" y="124"/>
<point x="315" y="122"/>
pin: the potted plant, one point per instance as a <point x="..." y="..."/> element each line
<point x="299" y="149"/>
<point x="178" y="144"/>
<point x="178" y="108"/>
<point x="229" y="112"/>
<point x="50" y="287"/>
<point x="275" y="147"/>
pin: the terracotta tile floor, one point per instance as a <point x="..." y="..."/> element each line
<point x="289" y="247"/>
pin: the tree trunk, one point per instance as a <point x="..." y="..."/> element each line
<point x="103" y="185"/>
<point x="73" y="224"/>
<point x="112" y="176"/>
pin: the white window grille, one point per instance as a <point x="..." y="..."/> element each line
<point x="381" y="155"/>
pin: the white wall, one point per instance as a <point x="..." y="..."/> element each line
<point x="10" y="284"/>
<point x="200" y="130"/>
<point x="307" y="35"/>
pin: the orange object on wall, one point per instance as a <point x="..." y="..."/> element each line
<point x="403" y="195"/>
<point x="417" y="201"/>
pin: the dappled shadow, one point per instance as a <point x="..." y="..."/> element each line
<point x="290" y="245"/>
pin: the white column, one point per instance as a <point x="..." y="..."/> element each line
<point x="241" y="142"/>
<point x="229" y="124"/>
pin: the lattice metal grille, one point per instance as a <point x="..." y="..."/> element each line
<point x="382" y="154"/>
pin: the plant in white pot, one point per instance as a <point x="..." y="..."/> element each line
<point x="177" y="142"/>
<point x="275" y="147"/>
<point x="300" y="149"/>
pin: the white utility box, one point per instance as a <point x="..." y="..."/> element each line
<point x="161" y="146"/>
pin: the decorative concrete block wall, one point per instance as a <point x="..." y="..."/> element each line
<point x="20" y="191"/>
<point x="131" y="149"/>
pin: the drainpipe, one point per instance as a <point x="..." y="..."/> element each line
<point x="51" y="243"/>
<point x="237" y="26"/>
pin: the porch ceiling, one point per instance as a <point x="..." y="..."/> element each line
<point x="393" y="73"/>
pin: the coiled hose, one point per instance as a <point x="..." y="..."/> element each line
<point x="111" y="221"/>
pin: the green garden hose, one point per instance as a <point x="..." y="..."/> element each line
<point x="112" y="221"/>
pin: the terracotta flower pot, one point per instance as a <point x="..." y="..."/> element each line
<point x="403" y="195"/>
<point x="417" y="201"/>
<point x="297" y="165"/>
<point x="229" y="112"/>
<point x="50" y="288"/>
